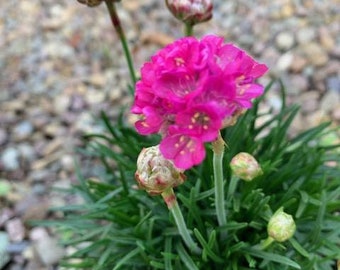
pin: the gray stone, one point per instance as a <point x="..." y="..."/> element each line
<point x="67" y="163"/>
<point x="17" y="248"/>
<point x="285" y="41"/>
<point x="23" y="130"/>
<point x="285" y="61"/>
<point x="4" y="257"/>
<point x="316" y="54"/>
<point x="15" y="229"/>
<point x="10" y="159"/>
<point x="39" y="189"/>
<point x="3" y="136"/>
<point x="306" y="35"/>
<point x="330" y="101"/>
<point x="27" y="151"/>
<point x="309" y="101"/>
<point x="49" y="251"/>
<point x="333" y="84"/>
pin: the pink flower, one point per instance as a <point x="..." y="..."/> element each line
<point x="189" y="90"/>
<point x="183" y="150"/>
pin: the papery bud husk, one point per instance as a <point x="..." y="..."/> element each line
<point x="156" y="174"/>
<point x="231" y="120"/>
<point x="281" y="226"/>
<point x="93" y="3"/>
<point x="191" y="11"/>
<point x="245" y="166"/>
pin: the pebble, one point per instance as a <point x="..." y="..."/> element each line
<point x="18" y="247"/>
<point x="298" y="64"/>
<point x="315" y="54"/>
<point x="326" y="39"/>
<point x="10" y="159"/>
<point x="5" y="214"/>
<point x="333" y="84"/>
<point x="285" y="61"/>
<point x="4" y="257"/>
<point x="285" y="41"/>
<point x="309" y="101"/>
<point x="67" y="163"/>
<point x="23" y="130"/>
<point x="48" y="250"/>
<point x="26" y="151"/>
<point x="306" y="35"/>
<point x="330" y="101"/>
<point x="38" y="233"/>
<point x="15" y="229"/>
<point x="61" y="103"/>
<point x="95" y="96"/>
<point x="3" y="136"/>
<point x="39" y="189"/>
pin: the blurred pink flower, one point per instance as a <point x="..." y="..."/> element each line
<point x="188" y="90"/>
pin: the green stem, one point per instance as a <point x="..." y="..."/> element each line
<point x="188" y="29"/>
<point x="232" y="187"/>
<point x="266" y="243"/>
<point x="119" y="30"/>
<point x="218" y="148"/>
<point x="170" y="199"/>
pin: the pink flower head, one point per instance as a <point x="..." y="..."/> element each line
<point x="189" y="89"/>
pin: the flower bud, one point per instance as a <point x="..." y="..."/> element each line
<point x="154" y="173"/>
<point x="245" y="166"/>
<point x="91" y="3"/>
<point x="191" y="11"/>
<point x="281" y="226"/>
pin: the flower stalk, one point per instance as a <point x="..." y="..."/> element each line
<point x="119" y="30"/>
<point x="218" y="149"/>
<point x="170" y="200"/>
<point x="188" y="29"/>
<point x="266" y="243"/>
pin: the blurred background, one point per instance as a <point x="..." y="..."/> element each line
<point x="61" y="64"/>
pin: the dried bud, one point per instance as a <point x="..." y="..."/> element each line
<point x="231" y="120"/>
<point x="245" y="166"/>
<point x="154" y="173"/>
<point x="191" y="11"/>
<point x="281" y="226"/>
<point x="93" y="3"/>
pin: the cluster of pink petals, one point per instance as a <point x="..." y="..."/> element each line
<point x="188" y="89"/>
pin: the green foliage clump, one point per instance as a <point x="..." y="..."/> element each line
<point x="121" y="227"/>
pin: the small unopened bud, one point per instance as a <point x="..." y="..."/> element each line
<point x="281" y="226"/>
<point x="93" y="3"/>
<point x="156" y="174"/>
<point x="245" y="166"/>
<point x="191" y="11"/>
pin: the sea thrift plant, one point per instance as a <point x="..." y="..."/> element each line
<point x="189" y="90"/>
<point x="188" y="93"/>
